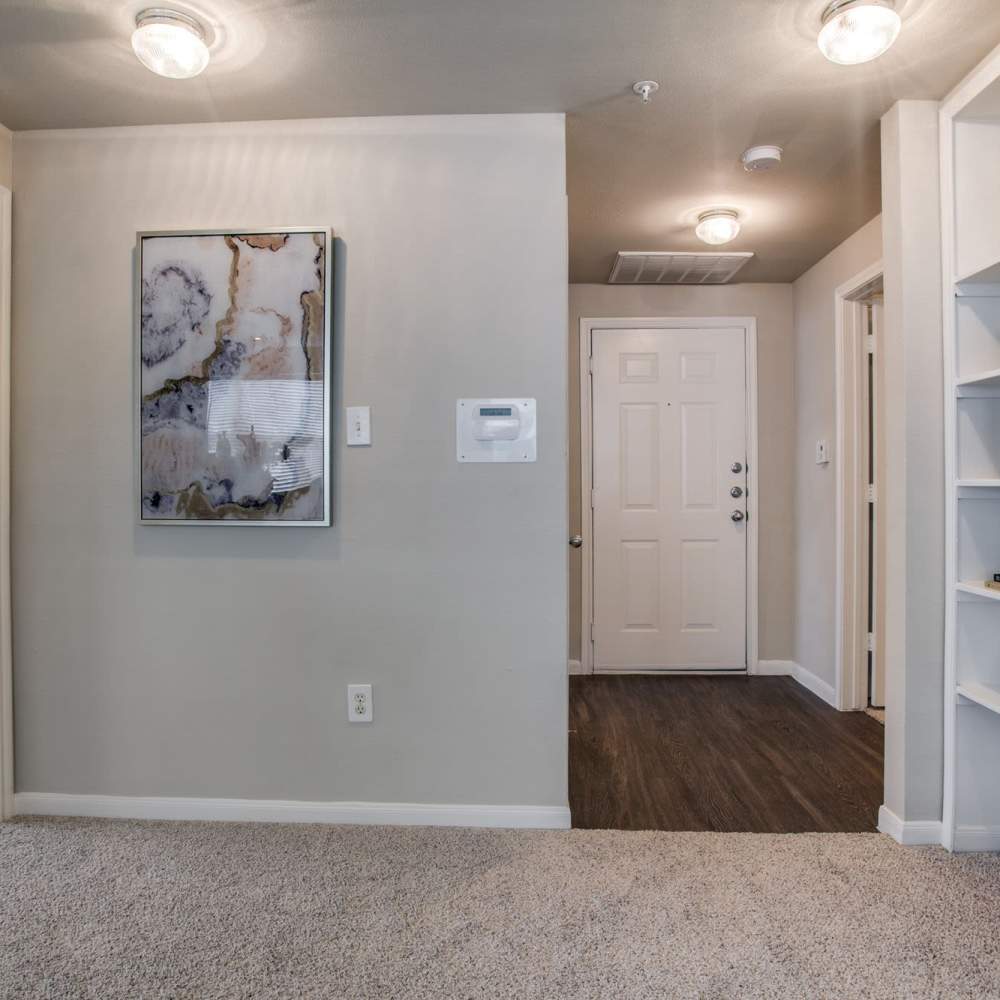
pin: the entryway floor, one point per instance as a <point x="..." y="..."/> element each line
<point x="727" y="754"/>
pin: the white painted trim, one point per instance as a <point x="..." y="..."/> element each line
<point x="977" y="81"/>
<point x="817" y="685"/>
<point x="946" y="134"/>
<point x="789" y="668"/>
<point x="587" y="327"/>
<point x="6" y="671"/>
<point x="850" y="629"/>
<point x="575" y="667"/>
<point x="976" y="838"/>
<point x="776" y="668"/>
<point x="910" y="833"/>
<point x="279" y="811"/>
<point x="586" y="502"/>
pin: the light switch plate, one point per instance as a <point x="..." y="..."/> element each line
<point x="359" y="426"/>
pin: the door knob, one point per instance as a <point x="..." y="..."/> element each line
<point x="737" y="515"/>
<point x="736" y="491"/>
<point x="736" y="467"/>
<point x="576" y="541"/>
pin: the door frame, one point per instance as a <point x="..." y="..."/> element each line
<point x="587" y="327"/>
<point x="851" y="607"/>
<point x="6" y="672"/>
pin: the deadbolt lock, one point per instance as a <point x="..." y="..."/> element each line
<point x="736" y="467"/>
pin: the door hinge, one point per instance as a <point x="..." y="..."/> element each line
<point x="590" y="365"/>
<point x="870" y="343"/>
<point x="870" y="493"/>
<point x="593" y="499"/>
<point x="591" y="631"/>
<point x="870" y="642"/>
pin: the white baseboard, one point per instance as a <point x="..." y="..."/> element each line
<point x="575" y="667"/>
<point x="977" y="838"/>
<point x="774" y="668"/>
<point x="277" y="811"/>
<point x="910" y="833"/>
<point x="789" y="668"/>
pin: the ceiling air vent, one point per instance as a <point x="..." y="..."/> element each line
<point x="634" y="267"/>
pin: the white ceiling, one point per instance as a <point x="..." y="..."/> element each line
<point x="732" y="72"/>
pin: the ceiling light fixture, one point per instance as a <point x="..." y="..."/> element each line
<point x="170" y="43"/>
<point x="718" y="226"/>
<point x="857" y="31"/>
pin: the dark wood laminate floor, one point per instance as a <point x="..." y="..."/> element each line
<point x="757" y="754"/>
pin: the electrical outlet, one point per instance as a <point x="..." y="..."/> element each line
<point x="359" y="703"/>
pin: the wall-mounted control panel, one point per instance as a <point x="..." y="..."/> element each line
<point x="496" y="430"/>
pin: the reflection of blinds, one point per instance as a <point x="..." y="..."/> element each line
<point x="274" y="424"/>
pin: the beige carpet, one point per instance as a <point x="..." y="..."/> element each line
<point x="111" y="910"/>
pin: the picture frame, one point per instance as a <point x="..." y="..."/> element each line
<point x="231" y="405"/>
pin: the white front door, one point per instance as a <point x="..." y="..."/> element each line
<point x="670" y="541"/>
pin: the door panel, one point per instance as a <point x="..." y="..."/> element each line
<point x="669" y="562"/>
<point x="640" y="454"/>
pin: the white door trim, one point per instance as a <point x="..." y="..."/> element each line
<point x="6" y="678"/>
<point x="851" y="612"/>
<point x="587" y="327"/>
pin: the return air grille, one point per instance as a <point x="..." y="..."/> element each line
<point x="666" y="268"/>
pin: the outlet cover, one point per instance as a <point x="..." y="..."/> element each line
<point x="359" y="703"/>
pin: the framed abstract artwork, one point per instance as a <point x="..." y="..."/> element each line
<point x="233" y="376"/>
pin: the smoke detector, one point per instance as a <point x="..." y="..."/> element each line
<point x="761" y="158"/>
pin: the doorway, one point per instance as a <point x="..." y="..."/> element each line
<point x="860" y="461"/>
<point x="669" y="458"/>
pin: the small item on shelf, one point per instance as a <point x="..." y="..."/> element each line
<point x="994" y="584"/>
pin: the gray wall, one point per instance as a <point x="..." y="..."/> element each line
<point x="914" y="419"/>
<point x="814" y="419"/>
<point x="772" y="306"/>
<point x="214" y="661"/>
<point x="6" y="158"/>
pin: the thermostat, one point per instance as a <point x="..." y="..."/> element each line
<point x="496" y="430"/>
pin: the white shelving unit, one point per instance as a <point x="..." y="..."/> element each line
<point x="970" y="151"/>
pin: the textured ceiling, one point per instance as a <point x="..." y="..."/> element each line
<point x="732" y="72"/>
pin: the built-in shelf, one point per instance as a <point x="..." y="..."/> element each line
<point x="987" y="484"/>
<point x="981" y="694"/>
<point x="978" y="590"/>
<point x="988" y="274"/>
<point x="981" y="380"/>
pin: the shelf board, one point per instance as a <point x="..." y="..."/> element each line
<point x="978" y="590"/>
<point x="984" y="380"/>
<point x="988" y="274"/>
<point x="982" y="694"/>
<point x="978" y="489"/>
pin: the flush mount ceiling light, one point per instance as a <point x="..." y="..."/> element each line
<point x="718" y="226"/>
<point x="857" y="31"/>
<point x="170" y="43"/>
